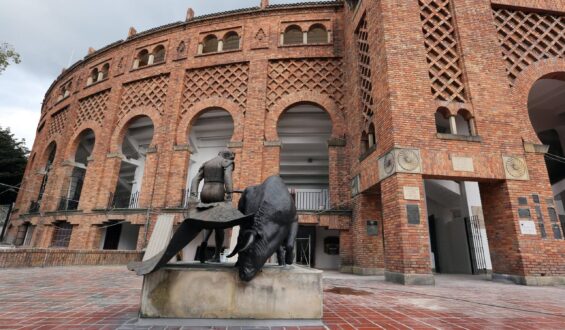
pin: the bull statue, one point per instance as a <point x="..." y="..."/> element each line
<point x="268" y="224"/>
<point x="273" y="228"/>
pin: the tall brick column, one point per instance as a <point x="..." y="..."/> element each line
<point x="367" y="249"/>
<point x="406" y="245"/>
<point x="524" y="257"/>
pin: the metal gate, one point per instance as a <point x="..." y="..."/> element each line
<point x="302" y="251"/>
<point x="476" y="248"/>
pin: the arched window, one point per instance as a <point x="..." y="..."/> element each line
<point x="105" y="70"/>
<point x="293" y="35"/>
<point x="463" y="122"/>
<point x="159" y="54"/>
<point x="210" y="44"/>
<point x="368" y="140"/>
<point x="231" y="41"/>
<point x="442" y="121"/>
<point x="317" y="34"/>
<point x="142" y="58"/>
<point x="93" y="76"/>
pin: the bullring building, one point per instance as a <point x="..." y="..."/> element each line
<point x="418" y="137"/>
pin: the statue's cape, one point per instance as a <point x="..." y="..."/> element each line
<point x="203" y="216"/>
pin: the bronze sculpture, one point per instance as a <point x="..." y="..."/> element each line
<point x="266" y="214"/>
<point x="218" y="187"/>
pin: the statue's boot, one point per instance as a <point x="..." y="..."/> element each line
<point x="202" y="252"/>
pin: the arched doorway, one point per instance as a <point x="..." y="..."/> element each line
<point x="84" y="149"/>
<point x="210" y="134"/>
<point x="137" y="139"/>
<point x="546" y="108"/>
<point x="304" y="130"/>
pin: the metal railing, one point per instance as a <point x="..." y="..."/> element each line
<point x="124" y="200"/>
<point x="185" y="198"/>
<point x="475" y="241"/>
<point x="66" y="204"/>
<point x="311" y="200"/>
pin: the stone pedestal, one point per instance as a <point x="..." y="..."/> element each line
<point x="196" y="291"/>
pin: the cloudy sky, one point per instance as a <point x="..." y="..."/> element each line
<point x="52" y="34"/>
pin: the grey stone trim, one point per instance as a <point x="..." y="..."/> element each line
<point x="409" y="279"/>
<point x="235" y="144"/>
<point x="336" y="142"/>
<point x="531" y="147"/>
<point x="457" y="137"/>
<point x="182" y="147"/>
<point x="276" y="143"/>
<point x="365" y="271"/>
<point x="529" y="280"/>
<point x="399" y="160"/>
<point x="115" y="155"/>
<point x="348" y="269"/>
<point x="151" y="150"/>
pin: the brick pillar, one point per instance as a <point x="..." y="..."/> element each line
<point x="271" y="158"/>
<point x="367" y="249"/>
<point x="254" y="124"/>
<point x="178" y="173"/>
<point x="406" y="245"/>
<point x="112" y="163"/>
<point x="345" y="251"/>
<point x="521" y="256"/>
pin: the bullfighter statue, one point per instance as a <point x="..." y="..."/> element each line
<point x="218" y="187"/>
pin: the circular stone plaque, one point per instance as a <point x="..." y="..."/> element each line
<point x="408" y="160"/>
<point x="515" y="167"/>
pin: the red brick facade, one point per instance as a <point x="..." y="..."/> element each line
<point x="421" y="55"/>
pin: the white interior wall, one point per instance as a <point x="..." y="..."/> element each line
<point x="322" y="259"/>
<point x="450" y="202"/>
<point x="128" y="236"/>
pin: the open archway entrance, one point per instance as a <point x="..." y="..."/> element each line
<point x="209" y="134"/>
<point x="304" y="130"/>
<point x="84" y="149"/>
<point x="137" y="139"/>
<point x="546" y="108"/>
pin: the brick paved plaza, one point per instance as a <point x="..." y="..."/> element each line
<point x="106" y="297"/>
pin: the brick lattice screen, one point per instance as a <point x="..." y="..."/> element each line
<point x="527" y="37"/>
<point x="443" y="55"/>
<point x="290" y="76"/>
<point x="150" y="92"/>
<point x="226" y="81"/>
<point x="58" y="122"/>
<point x="93" y="108"/>
<point x="364" y="71"/>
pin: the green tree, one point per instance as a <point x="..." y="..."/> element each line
<point x="13" y="160"/>
<point x="7" y="54"/>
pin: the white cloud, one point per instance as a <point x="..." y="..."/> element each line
<point x="22" y="122"/>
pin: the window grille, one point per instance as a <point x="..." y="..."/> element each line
<point x="293" y="36"/>
<point x="231" y="41"/>
<point x="364" y="68"/>
<point x="61" y="234"/>
<point x="317" y="35"/>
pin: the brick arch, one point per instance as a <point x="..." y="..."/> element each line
<point x="45" y="154"/>
<point x="324" y="102"/>
<point x="526" y="80"/>
<point x="121" y="126"/>
<point x="71" y="148"/>
<point x="192" y="114"/>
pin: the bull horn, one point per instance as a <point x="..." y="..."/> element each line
<point x="248" y="238"/>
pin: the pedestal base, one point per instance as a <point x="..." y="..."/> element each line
<point x="215" y="291"/>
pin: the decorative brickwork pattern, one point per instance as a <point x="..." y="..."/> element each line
<point x="443" y="55"/>
<point x="527" y="37"/>
<point x="225" y="81"/>
<point x="58" y="122"/>
<point x="150" y="92"/>
<point x="320" y="75"/>
<point x="364" y="68"/>
<point x="93" y="108"/>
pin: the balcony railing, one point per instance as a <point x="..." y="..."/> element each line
<point x="311" y="199"/>
<point x="66" y="204"/>
<point x="34" y="207"/>
<point x="123" y="200"/>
